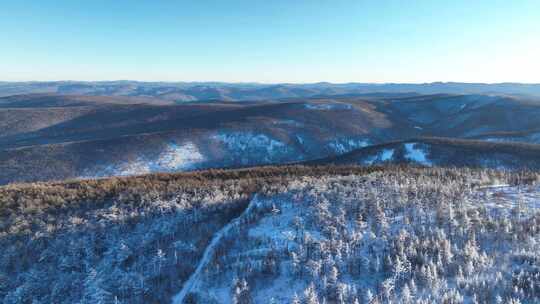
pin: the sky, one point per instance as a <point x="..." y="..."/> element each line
<point x="274" y="41"/>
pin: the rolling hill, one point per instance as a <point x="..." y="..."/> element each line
<point x="446" y="152"/>
<point x="120" y="139"/>
<point x="52" y="136"/>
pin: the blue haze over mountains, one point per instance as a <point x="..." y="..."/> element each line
<point x="198" y="91"/>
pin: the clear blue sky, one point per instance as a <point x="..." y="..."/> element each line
<point x="271" y="41"/>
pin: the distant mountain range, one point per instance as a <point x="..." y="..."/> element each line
<point x="208" y="91"/>
<point x="50" y="136"/>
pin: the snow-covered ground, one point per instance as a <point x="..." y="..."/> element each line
<point x="179" y="157"/>
<point x="344" y="145"/>
<point x="382" y="156"/>
<point x="398" y="235"/>
<point x="210" y="252"/>
<point x="271" y="231"/>
<point x="247" y="140"/>
<point x="341" y="237"/>
<point x="253" y="148"/>
<point x="415" y="154"/>
<point x="174" y="157"/>
<point x="497" y="139"/>
<point x="328" y="106"/>
<point x="504" y="198"/>
<point x="275" y="229"/>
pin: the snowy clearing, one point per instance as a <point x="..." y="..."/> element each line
<point x="173" y="158"/>
<point x="179" y="157"/>
<point x="254" y="148"/>
<point x="344" y="145"/>
<point x="417" y="155"/>
<point x="243" y="141"/>
<point x="382" y="156"/>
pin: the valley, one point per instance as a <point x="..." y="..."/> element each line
<point x="68" y="136"/>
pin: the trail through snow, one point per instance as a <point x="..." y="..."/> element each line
<point x="209" y="253"/>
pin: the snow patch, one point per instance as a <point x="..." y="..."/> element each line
<point x="176" y="157"/>
<point x="346" y="145"/>
<point x="173" y="158"/>
<point x="246" y="140"/>
<point x="382" y="156"/>
<point x="327" y="106"/>
<point x="416" y="154"/>
<point x="387" y="154"/>
<point x="496" y="139"/>
<point x="139" y="166"/>
<point x="253" y="148"/>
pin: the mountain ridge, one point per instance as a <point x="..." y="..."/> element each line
<point x="196" y="91"/>
<point x="51" y="136"/>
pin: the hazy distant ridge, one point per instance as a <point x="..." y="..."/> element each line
<point x="197" y="91"/>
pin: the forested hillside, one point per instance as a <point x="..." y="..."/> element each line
<point x="46" y="137"/>
<point x="449" y="152"/>
<point x="288" y="234"/>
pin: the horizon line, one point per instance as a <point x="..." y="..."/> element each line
<point x="272" y="83"/>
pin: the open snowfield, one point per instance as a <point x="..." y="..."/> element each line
<point x="416" y="154"/>
<point x="174" y="157"/>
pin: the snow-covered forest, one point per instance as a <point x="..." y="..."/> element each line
<point x="280" y="235"/>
